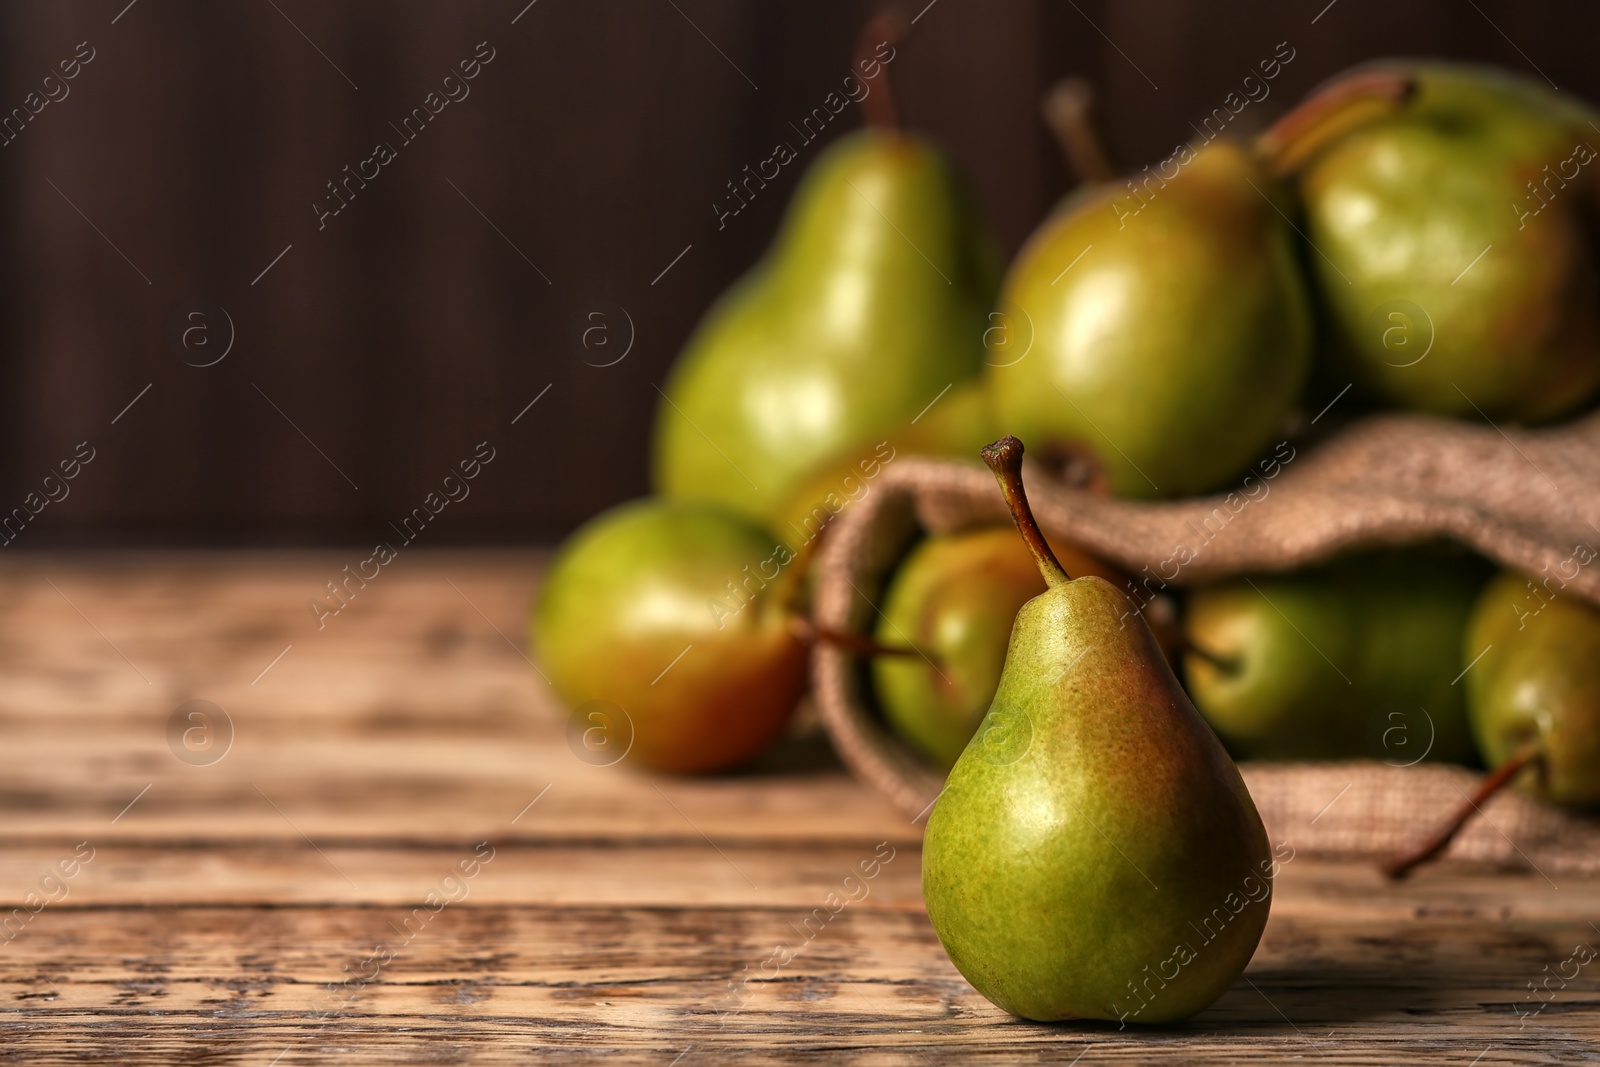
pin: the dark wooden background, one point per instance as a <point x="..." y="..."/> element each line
<point x="189" y="152"/>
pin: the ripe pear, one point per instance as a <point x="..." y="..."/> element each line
<point x="1094" y="854"/>
<point x="1170" y="325"/>
<point x="1538" y="683"/>
<point x="1451" y="225"/>
<point x="1352" y="658"/>
<point x="674" y="613"/>
<point x="1532" y="675"/>
<point x="954" y="599"/>
<point x="871" y="301"/>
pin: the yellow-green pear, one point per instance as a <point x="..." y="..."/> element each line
<point x="1163" y="324"/>
<point x="871" y="302"/>
<point x="1094" y="854"/>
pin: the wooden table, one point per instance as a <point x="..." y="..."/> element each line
<point x="273" y="905"/>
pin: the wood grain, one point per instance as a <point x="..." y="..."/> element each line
<point x="648" y="982"/>
<point x="275" y="906"/>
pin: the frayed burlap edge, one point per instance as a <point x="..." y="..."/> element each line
<point x="1524" y="498"/>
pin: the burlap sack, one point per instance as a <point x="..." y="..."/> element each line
<point x="1524" y="498"/>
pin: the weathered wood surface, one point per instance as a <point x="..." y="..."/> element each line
<point x="273" y="906"/>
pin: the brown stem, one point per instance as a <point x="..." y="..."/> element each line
<point x="1401" y="863"/>
<point x="887" y="27"/>
<point x="1336" y="108"/>
<point x="1004" y="457"/>
<point x="860" y="644"/>
<point x="1068" y="110"/>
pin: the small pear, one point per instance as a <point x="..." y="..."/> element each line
<point x="673" y="613"/>
<point x="1531" y="659"/>
<point x="1449" y="210"/>
<point x="1094" y="854"/>
<point x="1538" y="683"/>
<point x="1163" y="325"/>
<point x="953" y="600"/>
<point x="1352" y="658"/>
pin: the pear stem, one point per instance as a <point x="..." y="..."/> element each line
<point x="1068" y="109"/>
<point x="860" y="644"/>
<point x="1328" y="112"/>
<point x="887" y="27"/>
<point x="1400" y="864"/>
<point x="1004" y="457"/>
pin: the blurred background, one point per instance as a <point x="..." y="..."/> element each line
<point x="259" y="348"/>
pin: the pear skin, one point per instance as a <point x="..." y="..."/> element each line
<point x="954" y="598"/>
<point x="1454" y="237"/>
<point x="872" y="300"/>
<point x="1532" y="674"/>
<point x="652" y="607"/>
<point x="956" y="425"/>
<point x="1539" y="681"/>
<point x="1094" y="854"/>
<point x="1353" y="658"/>
<point x="1168" y="322"/>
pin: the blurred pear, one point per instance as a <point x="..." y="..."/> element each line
<point x="1169" y="329"/>
<point x="1352" y="658"/>
<point x="1451" y="214"/>
<point x="954" y="599"/>
<point x="871" y="301"/>
<point x="652" y="609"/>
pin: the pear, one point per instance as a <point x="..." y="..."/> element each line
<point x="1094" y="853"/>
<point x="953" y="600"/>
<point x="1532" y="675"/>
<point x="1169" y="325"/>
<point x="871" y="302"/>
<point x="1450" y="211"/>
<point x="674" y="615"/>
<point x="1352" y="658"/>
<point x="1537" y="685"/>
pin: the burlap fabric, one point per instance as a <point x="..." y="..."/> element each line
<point x="1524" y="498"/>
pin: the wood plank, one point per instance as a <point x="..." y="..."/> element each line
<point x="685" y="873"/>
<point x="223" y="906"/>
<point x="1346" y="973"/>
<point x="438" y="792"/>
<point x="507" y="982"/>
<point x="641" y="874"/>
<point x="409" y="716"/>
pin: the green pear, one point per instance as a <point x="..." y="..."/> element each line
<point x="954" y="600"/>
<point x="1532" y="676"/>
<point x="673" y="615"/>
<point x="1094" y="853"/>
<point x="1538" y="683"/>
<point x="1352" y="658"/>
<point x="872" y="300"/>
<point x="1167" y="326"/>
<point x="1451" y="229"/>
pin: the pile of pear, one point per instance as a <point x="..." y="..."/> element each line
<point x="1415" y="235"/>
<point x="856" y="340"/>
<point x="1155" y="335"/>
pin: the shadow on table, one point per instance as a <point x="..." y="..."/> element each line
<point x="802" y="756"/>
